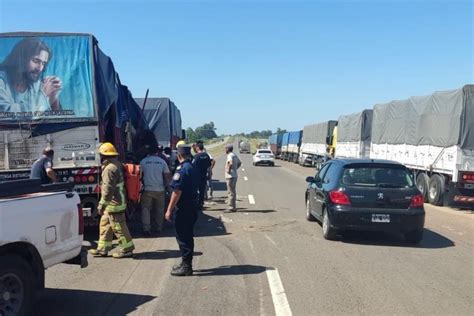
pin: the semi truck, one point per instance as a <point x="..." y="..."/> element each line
<point x="433" y="136"/>
<point x="354" y="134"/>
<point x="318" y="143"/>
<point x="275" y="144"/>
<point x="291" y="146"/>
<point x="91" y="106"/>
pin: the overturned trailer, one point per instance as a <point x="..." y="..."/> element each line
<point x="434" y="136"/>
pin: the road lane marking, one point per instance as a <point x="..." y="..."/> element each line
<point x="246" y="179"/>
<point x="251" y="199"/>
<point x="271" y="240"/>
<point x="243" y="169"/>
<point x="280" y="302"/>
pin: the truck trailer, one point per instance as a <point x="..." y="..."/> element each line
<point x="353" y="135"/>
<point x="92" y="106"/>
<point x="275" y="144"/>
<point x="433" y="136"/>
<point x="317" y="143"/>
<point x="291" y="146"/>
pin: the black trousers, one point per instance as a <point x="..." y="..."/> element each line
<point x="184" y="225"/>
<point x="202" y="193"/>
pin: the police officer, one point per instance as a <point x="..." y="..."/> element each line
<point x="112" y="206"/>
<point x="184" y="207"/>
<point x="202" y="163"/>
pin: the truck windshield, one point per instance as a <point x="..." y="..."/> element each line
<point x="377" y="176"/>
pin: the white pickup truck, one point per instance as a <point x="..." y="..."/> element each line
<point x="40" y="226"/>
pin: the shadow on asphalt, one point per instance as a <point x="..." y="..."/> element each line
<point x="275" y="166"/>
<point x="79" y="302"/>
<point x="206" y="226"/>
<point x="431" y="239"/>
<point x="243" y="269"/>
<point x="219" y="185"/>
<point x="255" y="211"/>
<point x="161" y="254"/>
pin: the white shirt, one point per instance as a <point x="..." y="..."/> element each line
<point x="231" y="157"/>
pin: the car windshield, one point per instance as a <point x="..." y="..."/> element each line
<point x="264" y="152"/>
<point x="377" y="176"/>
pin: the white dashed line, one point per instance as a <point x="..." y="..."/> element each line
<point x="251" y="199"/>
<point x="243" y="169"/>
<point x="280" y="302"/>
<point x="246" y="179"/>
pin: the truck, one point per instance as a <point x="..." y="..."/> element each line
<point x="244" y="147"/>
<point x="275" y="144"/>
<point x="354" y="134"/>
<point x="291" y="146"/>
<point x="318" y="143"/>
<point x="433" y="136"/>
<point x="163" y="119"/>
<point x="92" y="107"/>
<point x="41" y="226"/>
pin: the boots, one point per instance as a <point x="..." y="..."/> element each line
<point x="98" y="253"/>
<point x="122" y="254"/>
<point x="182" y="269"/>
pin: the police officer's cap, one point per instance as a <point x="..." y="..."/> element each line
<point x="184" y="150"/>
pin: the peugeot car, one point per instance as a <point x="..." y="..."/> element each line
<point x="357" y="194"/>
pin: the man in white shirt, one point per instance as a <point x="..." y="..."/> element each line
<point x="231" y="166"/>
<point x="155" y="176"/>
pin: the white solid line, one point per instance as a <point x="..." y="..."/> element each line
<point x="246" y="179"/>
<point x="280" y="302"/>
<point x="251" y="199"/>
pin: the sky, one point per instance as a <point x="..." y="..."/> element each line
<point x="259" y="65"/>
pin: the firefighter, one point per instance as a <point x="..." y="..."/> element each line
<point x="112" y="207"/>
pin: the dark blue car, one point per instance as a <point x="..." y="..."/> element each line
<point x="362" y="194"/>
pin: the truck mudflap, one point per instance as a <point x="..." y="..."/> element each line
<point x="80" y="259"/>
<point x="461" y="197"/>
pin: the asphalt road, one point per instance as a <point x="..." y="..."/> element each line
<point x="266" y="259"/>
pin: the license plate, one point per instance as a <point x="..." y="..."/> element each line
<point x="380" y="218"/>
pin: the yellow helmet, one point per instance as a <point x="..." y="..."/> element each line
<point x="180" y="143"/>
<point x="108" y="149"/>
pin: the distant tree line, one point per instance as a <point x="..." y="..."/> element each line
<point x="261" y="134"/>
<point x="204" y="132"/>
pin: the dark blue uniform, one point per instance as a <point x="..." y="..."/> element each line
<point x="185" y="179"/>
<point x="201" y="163"/>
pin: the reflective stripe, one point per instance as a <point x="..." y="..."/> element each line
<point x="119" y="207"/>
<point x="102" y="245"/>
<point x="124" y="244"/>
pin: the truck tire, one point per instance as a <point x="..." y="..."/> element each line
<point x="91" y="202"/>
<point x="422" y="183"/>
<point x="17" y="285"/>
<point x="436" y="190"/>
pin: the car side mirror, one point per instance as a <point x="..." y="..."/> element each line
<point x="310" y="180"/>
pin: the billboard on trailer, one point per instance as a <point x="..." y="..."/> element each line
<point x="46" y="78"/>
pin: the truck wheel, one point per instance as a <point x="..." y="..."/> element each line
<point x="17" y="288"/>
<point x="92" y="203"/>
<point x="436" y="190"/>
<point x="422" y="183"/>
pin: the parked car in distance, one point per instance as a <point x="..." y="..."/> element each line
<point x="264" y="157"/>
<point x="362" y="194"/>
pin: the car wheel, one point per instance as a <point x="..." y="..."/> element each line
<point x="436" y="190"/>
<point x="329" y="233"/>
<point x="309" y="216"/>
<point x="16" y="286"/>
<point x="414" y="237"/>
<point x="422" y="183"/>
<point x="272" y="164"/>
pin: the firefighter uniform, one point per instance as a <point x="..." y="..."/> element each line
<point x="113" y="203"/>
